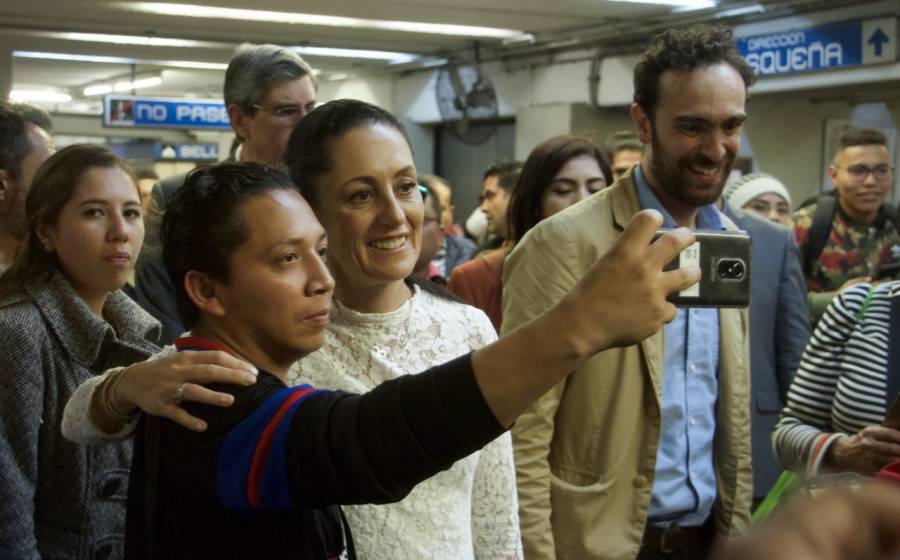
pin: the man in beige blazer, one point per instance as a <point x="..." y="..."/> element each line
<point x="644" y="451"/>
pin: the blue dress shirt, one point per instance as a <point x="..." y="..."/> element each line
<point x="684" y="489"/>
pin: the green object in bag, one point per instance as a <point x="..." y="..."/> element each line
<point x="786" y="484"/>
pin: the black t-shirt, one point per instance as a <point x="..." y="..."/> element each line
<point x="265" y="478"/>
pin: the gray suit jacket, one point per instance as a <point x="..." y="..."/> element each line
<point x="779" y="331"/>
<point x="153" y="289"/>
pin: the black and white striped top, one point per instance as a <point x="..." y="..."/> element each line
<point x="841" y="382"/>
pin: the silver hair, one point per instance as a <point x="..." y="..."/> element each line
<point x="256" y="69"/>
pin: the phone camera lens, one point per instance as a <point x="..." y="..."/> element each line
<point x="731" y="269"/>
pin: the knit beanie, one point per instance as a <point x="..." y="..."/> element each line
<point x="747" y="187"/>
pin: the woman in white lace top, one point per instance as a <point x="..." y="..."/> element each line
<point x="383" y="326"/>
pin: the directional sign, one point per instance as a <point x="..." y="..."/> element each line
<point x="831" y="46"/>
<point x="880" y="36"/>
<point x="186" y="152"/>
<point x="138" y="112"/>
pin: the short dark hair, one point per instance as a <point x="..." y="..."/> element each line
<point x="507" y="173"/>
<point x="861" y="137"/>
<point x="34" y="114"/>
<point x="14" y="142"/>
<point x="203" y="225"/>
<point x="308" y="153"/>
<point x="542" y="165"/>
<point x="53" y="186"/>
<point x="685" y="50"/>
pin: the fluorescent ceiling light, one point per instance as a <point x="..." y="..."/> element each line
<point x="356" y="53"/>
<point x="125" y="85"/>
<point x="742" y="11"/>
<point x="296" y="18"/>
<point x="120" y="60"/>
<point x="683" y="4"/>
<point x="128" y="39"/>
<point x="99" y="89"/>
<point x="38" y="95"/>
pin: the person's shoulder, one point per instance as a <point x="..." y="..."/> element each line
<point x="20" y="321"/>
<point x="767" y="229"/>
<point x="803" y="216"/>
<point x="247" y="400"/>
<point x="456" y="311"/>
<point x="462" y="243"/>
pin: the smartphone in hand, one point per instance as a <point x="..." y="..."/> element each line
<point x="724" y="262"/>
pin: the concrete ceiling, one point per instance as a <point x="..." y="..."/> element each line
<point x="560" y="25"/>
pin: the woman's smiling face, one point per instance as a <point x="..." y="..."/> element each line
<point x="370" y="206"/>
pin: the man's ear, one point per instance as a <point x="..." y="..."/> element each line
<point x="240" y="121"/>
<point x="642" y="122"/>
<point x="202" y="291"/>
<point x="832" y="172"/>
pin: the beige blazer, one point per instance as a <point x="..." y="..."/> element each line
<point x="586" y="452"/>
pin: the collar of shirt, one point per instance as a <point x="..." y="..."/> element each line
<point x="708" y="217"/>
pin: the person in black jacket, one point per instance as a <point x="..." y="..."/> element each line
<point x="263" y="479"/>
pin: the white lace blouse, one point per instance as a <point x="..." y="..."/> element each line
<point x="469" y="511"/>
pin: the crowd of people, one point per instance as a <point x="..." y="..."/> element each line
<point x="298" y="353"/>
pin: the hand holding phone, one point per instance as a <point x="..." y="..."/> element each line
<point x="724" y="261"/>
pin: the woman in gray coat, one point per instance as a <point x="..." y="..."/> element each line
<point x="62" y="320"/>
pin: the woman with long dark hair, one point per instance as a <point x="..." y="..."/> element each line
<point x="64" y="319"/>
<point x="558" y="173"/>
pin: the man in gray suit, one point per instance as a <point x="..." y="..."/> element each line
<point x="267" y="90"/>
<point x="779" y="331"/>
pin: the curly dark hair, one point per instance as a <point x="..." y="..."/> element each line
<point x="685" y="50"/>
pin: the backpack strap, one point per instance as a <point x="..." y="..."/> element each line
<point x="817" y="236"/>
<point x="892" y="215"/>
<point x="865" y="306"/>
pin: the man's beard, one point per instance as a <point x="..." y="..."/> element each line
<point x="674" y="176"/>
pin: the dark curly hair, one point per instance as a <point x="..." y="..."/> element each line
<point x="202" y="225"/>
<point x="685" y="50"/>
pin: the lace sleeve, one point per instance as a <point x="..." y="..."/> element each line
<point x="495" y="509"/>
<point x="77" y="424"/>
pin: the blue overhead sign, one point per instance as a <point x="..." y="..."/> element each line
<point x="186" y="152"/>
<point x="139" y="112"/>
<point x="831" y="46"/>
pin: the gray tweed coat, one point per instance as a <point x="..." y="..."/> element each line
<point x="58" y="499"/>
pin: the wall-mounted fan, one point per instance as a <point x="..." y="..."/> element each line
<point x="467" y="102"/>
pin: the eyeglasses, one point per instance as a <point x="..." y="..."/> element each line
<point x="860" y="172"/>
<point x="284" y="112"/>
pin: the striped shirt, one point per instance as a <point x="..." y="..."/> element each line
<point x="840" y="386"/>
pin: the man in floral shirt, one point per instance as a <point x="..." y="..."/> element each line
<point x="863" y="234"/>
